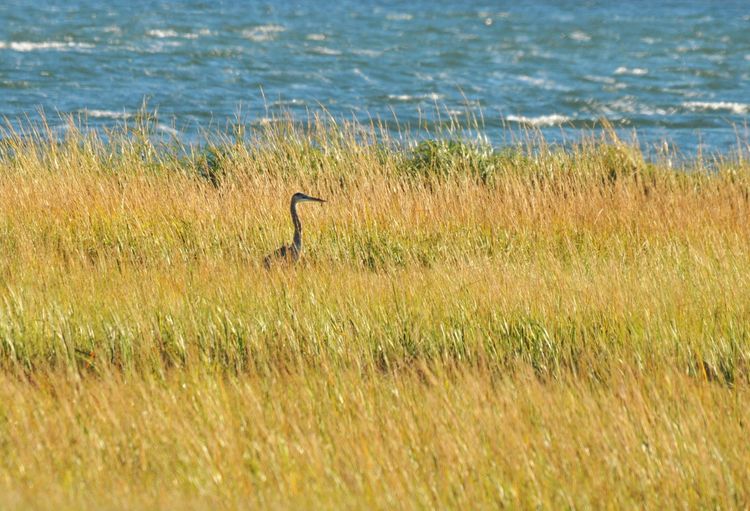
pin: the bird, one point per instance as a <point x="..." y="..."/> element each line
<point x="290" y="253"/>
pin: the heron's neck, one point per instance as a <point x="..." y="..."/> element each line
<point x="297" y="227"/>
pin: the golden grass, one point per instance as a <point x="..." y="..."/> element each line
<point x="532" y="327"/>
<point x="323" y="439"/>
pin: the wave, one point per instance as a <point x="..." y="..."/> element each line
<point x="580" y="36"/>
<point x="365" y="52"/>
<point x="399" y="17"/>
<point x="322" y="50"/>
<point x="201" y="32"/>
<point x="162" y="46"/>
<point x="634" y="71"/>
<point x="108" y="114"/>
<point x="432" y="96"/>
<point x="263" y="33"/>
<point x="608" y="80"/>
<point x="169" y="33"/>
<point x="542" y="83"/>
<point x="167" y="129"/>
<point x="542" y="120"/>
<point x="161" y="34"/>
<point x="735" y="108"/>
<point x="24" y="46"/>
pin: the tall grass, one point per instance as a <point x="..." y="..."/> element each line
<point x="526" y="326"/>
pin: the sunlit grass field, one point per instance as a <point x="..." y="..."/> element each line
<point x="524" y="327"/>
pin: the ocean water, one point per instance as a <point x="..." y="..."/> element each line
<point x="674" y="70"/>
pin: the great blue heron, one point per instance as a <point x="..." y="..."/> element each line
<point x="290" y="253"/>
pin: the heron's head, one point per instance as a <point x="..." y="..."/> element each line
<point x="301" y="197"/>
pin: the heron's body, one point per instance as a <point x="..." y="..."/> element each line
<point x="290" y="253"/>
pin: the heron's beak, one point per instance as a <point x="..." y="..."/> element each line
<point x="314" y="199"/>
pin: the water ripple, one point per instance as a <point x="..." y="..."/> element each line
<point x="675" y="70"/>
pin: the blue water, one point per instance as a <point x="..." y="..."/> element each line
<point x="676" y="71"/>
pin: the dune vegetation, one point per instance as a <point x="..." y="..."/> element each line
<point x="469" y="327"/>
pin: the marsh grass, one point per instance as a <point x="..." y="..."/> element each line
<point x="529" y="326"/>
